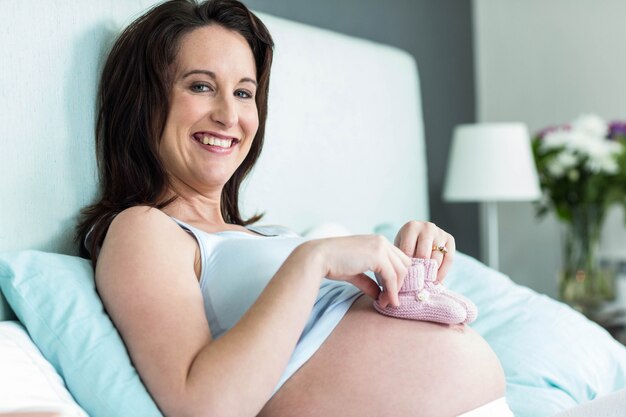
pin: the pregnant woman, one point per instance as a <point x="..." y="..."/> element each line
<point x="222" y="318"/>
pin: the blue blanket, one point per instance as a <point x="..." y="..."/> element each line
<point x="553" y="357"/>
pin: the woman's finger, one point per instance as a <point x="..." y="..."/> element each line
<point x="406" y="240"/>
<point x="425" y="241"/>
<point x="389" y="279"/>
<point x="439" y="248"/>
<point x="447" y="259"/>
<point x="365" y="284"/>
<point x="406" y="260"/>
<point x="401" y="263"/>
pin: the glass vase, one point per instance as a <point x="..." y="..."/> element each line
<point x="583" y="282"/>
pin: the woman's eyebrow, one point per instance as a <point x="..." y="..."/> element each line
<point x="212" y="75"/>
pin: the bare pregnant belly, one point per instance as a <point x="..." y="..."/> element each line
<point x="375" y="366"/>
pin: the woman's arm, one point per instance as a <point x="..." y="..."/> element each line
<point x="147" y="277"/>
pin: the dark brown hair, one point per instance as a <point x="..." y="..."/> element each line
<point x="133" y="104"/>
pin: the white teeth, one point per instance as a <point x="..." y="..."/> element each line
<point x="213" y="141"/>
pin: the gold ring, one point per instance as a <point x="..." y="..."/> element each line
<point x="440" y="248"/>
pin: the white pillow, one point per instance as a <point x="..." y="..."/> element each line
<point x="28" y="382"/>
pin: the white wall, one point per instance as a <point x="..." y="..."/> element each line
<point x="546" y="62"/>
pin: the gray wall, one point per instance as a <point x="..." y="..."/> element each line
<point x="438" y="33"/>
<point x="545" y="63"/>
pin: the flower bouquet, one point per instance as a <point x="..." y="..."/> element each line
<point x="582" y="172"/>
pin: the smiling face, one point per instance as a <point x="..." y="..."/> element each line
<point x="213" y="116"/>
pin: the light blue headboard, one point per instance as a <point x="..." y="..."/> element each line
<point x="344" y="139"/>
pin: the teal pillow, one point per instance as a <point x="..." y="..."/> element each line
<point x="54" y="296"/>
<point x="553" y="357"/>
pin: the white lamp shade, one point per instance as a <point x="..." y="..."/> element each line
<point x="491" y="162"/>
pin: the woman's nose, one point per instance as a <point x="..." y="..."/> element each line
<point x="225" y="111"/>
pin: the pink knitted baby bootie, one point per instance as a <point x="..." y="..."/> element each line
<point x="430" y="283"/>
<point x="422" y="299"/>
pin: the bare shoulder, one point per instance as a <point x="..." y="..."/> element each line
<point x="142" y="241"/>
<point x="143" y="228"/>
<point x="144" y="219"/>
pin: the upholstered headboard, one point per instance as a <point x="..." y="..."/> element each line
<point x="344" y="138"/>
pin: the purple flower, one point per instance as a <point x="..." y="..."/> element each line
<point x="617" y="130"/>
<point x="543" y="132"/>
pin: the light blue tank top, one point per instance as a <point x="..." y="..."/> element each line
<point x="236" y="267"/>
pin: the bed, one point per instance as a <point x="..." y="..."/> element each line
<point x="344" y="154"/>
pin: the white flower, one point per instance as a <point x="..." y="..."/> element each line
<point x="580" y="165"/>
<point x="607" y="165"/>
<point x="602" y="156"/>
<point x="585" y="141"/>
<point x="555" y="139"/>
<point x="572" y="141"/>
<point x="591" y="125"/>
<point x="562" y="162"/>
<point x="604" y="163"/>
<point x="594" y="147"/>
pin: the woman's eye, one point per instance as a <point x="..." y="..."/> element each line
<point x="243" y="94"/>
<point x="201" y="88"/>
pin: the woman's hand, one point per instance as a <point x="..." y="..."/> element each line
<point x="347" y="258"/>
<point x="422" y="240"/>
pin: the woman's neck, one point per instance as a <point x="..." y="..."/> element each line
<point x="192" y="206"/>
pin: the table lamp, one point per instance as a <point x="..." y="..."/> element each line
<point x="491" y="162"/>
